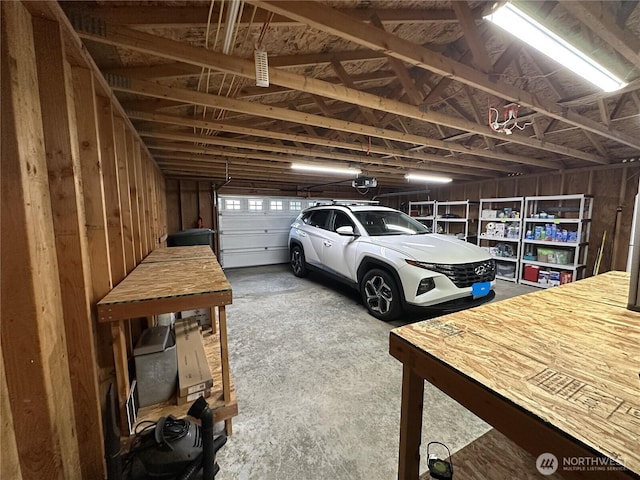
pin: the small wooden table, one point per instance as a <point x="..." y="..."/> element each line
<point x="555" y="371"/>
<point x="172" y="280"/>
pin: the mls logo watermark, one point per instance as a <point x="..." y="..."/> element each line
<point x="547" y="463"/>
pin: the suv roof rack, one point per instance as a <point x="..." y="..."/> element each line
<point x="346" y="203"/>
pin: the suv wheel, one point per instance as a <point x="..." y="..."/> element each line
<point x="298" y="263"/>
<point x="380" y="295"/>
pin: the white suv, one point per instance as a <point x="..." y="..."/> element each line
<point x="391" y="259"/>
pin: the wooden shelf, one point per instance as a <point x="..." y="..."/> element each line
<point x="553" y="244"/>
<point x="221" y="410"/>
<point x="188" y="278"/>
<point x="499" y="239"/>
<point x="555" y="266"/>
<point x="163" y="287"/>
<point x="500" y="219"/>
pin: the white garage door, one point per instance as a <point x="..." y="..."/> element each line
<point x="254" y="230"/>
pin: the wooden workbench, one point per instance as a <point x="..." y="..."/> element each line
<point x="555" y="371"/>
<point x="172" y="280"/>
<point x="179" y="253"/>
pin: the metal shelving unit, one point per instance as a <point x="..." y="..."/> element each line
<point x="456" y="218"/>
<point x="500" y="232"/>
<point x="424" y="212"/>
<point x="555" y="241"/>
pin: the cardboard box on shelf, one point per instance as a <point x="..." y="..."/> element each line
<point x="543" y="277"/>
<point x="566" y="277"/>
<point x="194" y="396"/>
<point x="193" y="367"/>
<point x="555" y="255"/>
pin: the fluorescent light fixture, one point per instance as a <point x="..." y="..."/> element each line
<point x="325" y="169"/>
<point x="427" y="178"/>
<point x="518" y="23"/>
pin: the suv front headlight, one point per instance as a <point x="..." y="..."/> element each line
<point x="425" y="265"/>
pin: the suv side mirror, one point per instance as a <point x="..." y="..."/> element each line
<point x="346" y="230"/>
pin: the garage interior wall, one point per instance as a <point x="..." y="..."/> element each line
<point x="82" y="203"/>
<point x="613" y="188"/>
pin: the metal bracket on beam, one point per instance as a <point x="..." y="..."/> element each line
<point x="88" y="24"/>
<point x="117" y="81"/>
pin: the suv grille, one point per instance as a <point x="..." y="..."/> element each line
<point x="467" y="274"/>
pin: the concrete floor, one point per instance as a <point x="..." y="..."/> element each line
<point x="318" y="392"/>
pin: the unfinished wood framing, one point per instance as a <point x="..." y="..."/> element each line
<point x="94" y="204"/>
<point x="33" y="333"/>
<point x="63" y="166"/>
<point x="111" y="190"/>
<point x="120" y="140"/>
<point x="62" y="239"/>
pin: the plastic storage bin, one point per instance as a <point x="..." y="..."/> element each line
<point x="156" y="365"/>
<point x="192" y="236"/>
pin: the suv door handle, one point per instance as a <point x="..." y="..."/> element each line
<point x="327" y="243"/>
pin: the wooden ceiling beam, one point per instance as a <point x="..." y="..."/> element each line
<point x="305" y="153"/>
<point x="603" y="108"/>
<point x="597" y="144"/>
<point x="467" y="22"/>
<point x="254" y="163"/>
<point x="316" y="140"/>
<point x="478" y="115"/>
<point x="253" y="108"/>
<point x="180" y="69"/>
<point x="196" y="16"/>
<point x="624" y="98"/>
<point x="247" y="145"/>
<point x="400" y="69"/>
<point x="344" y="77"/>
<point x="163" y="47"/>
<point x="331" y="21"/>
<point x="597" y="17"/>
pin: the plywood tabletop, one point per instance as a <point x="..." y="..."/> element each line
<point x="565" y="356"/>
<point x="170" y="254"/>
<point x="164" y="287"/>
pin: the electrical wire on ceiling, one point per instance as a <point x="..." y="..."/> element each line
<point x="206" y="46"/>
<point x="509" y="119"/>
<point x="233" y="93"/>
<point x="233" y="19"/>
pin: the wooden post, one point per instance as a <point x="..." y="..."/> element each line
<point x="140" y="183"/>
<point x="10" y="463"/>
<point x="224" y="360"/>
<point x="119" y="136"/>
<point x="111" y="190"/>
<point x="148" y="179"/>
<point x="410" y="424"/>
<point x="119" y="345"/>
<point x="133" y="192"/>
<point x="33" y="337"/>
<point x="67" y="206"/>
<point x="94" y="205"/>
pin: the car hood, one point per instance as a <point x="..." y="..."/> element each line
<point x="434" y="247"/>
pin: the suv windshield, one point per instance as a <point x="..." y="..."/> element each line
<point x="389" y="222"/>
